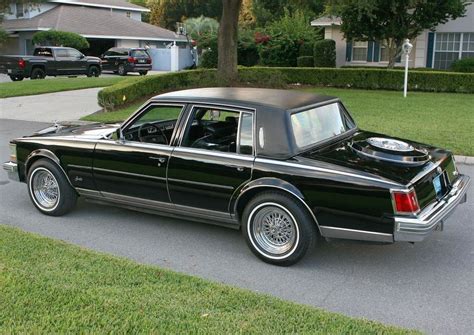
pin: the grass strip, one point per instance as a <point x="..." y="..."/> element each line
<point x="47" y="286"/>
<point x="33" y="87"/>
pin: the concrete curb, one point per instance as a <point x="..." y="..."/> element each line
<point x="464" y="160"/>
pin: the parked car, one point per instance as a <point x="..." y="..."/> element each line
<point x="282" y="166"/>
<point x="124" y="60"/>
<point x="50" y="61"/>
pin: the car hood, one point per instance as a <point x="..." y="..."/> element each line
<point x="402" y="161"/>
<point x="94" y="131"/>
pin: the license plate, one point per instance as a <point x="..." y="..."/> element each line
<point x="9" y="70"/>
<point x="439" y="184"/>
<point x="141" y="61"/>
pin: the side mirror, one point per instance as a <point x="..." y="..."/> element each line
<point x="118" y="135"/>
<point x="82" y="56"/>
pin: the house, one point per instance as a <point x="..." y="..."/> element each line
<point x="432" y="49"/>
<point x="104" y="23"/>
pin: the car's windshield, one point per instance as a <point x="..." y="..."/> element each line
<point x="319" y="124"/>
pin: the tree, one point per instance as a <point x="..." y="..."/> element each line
<point x="60" y="38"/>
<point x="197" y="26"/>
<point x="227" y="42"/>
<point x="392" y="21"/>
<point x="267" y="11"/>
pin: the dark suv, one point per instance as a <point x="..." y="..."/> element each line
<point x="124" y="60"/>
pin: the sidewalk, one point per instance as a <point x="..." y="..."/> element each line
<point x="466" y="160"/>
<point x="51" y="107"/>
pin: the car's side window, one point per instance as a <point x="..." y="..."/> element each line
<point x="218" y="130"/>
<point x="62" y="53"/>
<point x="74" y="53"/>
<point x="155" y="125"/>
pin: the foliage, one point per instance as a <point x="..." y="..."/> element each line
<point x="165" y="13"/>
<point x="392" y="21"/>
<point x="307" y="48"/>
<point x="305" y="61"/>
<point x="207" y="43"/>
<point x="463" y="65"/>
<point x="132" y="90"/>
<point x="60" y="38"/>
<point x="325" y="53"/>
<point x="267" y="11"/>
<point x="246" y="16"/>
<point x="198" y="26"/>
<point x="286" y="35"/>
<point x="3" y="36"/>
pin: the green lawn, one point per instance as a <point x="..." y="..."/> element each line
<point x="32" y="87"/>
<point x="48" y="286"/>
<point x="441" y="119"/>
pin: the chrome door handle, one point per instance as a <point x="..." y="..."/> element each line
<point x="159" y="159"/>
<point x="237" y="167"/>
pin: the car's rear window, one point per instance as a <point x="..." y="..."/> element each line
<point x="319" y="124"/>
<point x="139" y="53"/>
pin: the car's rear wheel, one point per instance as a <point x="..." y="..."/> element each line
<point x="49" y="189"/>
<point x="93" y="71"/>
<point x="38" y="73"/>
<point x="17" y="78"/>
<point x="143" y="73"/>
<point x="121" y="70"/>
<point x="277" y="228"/>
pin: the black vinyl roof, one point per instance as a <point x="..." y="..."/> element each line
<point x="248" y="97"/>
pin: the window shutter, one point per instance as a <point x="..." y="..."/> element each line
<point x="348" y="51"/>
<point x="430" y="50"/>
<point x="376" y="51"/>
<point x="370" y="51"/>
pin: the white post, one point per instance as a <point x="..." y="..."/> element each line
<point x="406" y="49"/>
<point x="174" y="57"/>
<point x="405" y="87"/>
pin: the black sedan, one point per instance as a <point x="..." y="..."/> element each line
<point x="282" y="166"/>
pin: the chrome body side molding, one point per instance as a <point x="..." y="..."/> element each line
<point x="352" y="234"/>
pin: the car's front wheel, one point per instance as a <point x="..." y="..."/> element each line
<point x="277" y="228"/>
<point x="121" y="70"/>
<point x="49" y="189"/>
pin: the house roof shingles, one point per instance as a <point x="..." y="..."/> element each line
<point x="104" y="3"/>
<point x="326" y="21"/>
<point x="92" y="22"/>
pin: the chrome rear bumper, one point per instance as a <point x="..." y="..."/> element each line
<point x="12" y="170"/>
<point x="416" y="229"/>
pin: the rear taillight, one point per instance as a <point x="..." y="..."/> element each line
<point x="148" y="61"/>
<point x="21" y="64"/>
<point x="405" y="202"/>
<point x="131" y="60"/>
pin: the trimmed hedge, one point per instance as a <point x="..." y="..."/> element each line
<point x="325" y="53"/>
<point x="463" y="65"/>
<point x="277" y="77"/>
<point x="305" y="61"/>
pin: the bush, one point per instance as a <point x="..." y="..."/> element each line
<point x="305" y="61"/>
<point x="272" y="77"/>
<point x="281" y="51"/>
<point x="60" y="38"/>
<point x="306" y="49"/>
<point x="463" y="65"/>
<point x="325" y="53"/>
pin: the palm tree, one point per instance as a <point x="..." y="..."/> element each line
<point x="197" y="26"/>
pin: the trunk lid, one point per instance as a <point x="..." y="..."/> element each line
<point x="405" y="162"/>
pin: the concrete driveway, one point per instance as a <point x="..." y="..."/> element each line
<point x="427" y="286"/>
<point x="51" y="107"/>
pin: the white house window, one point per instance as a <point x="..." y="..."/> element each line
<point x="359" y="51"/>
<point x="19" y="9"/>
<point x="383" y="57"/>
<point x="452" y="46"/>
<point x="468" y="45"/>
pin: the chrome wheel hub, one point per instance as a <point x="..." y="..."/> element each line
<point x="274" y="230"/>
<point x="45" y="189"/>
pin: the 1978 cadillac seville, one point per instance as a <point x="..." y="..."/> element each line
<point x="283" y="166"/>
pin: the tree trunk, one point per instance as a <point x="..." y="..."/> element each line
<point x="392" y="53"/>
<point x="227" y="43"/>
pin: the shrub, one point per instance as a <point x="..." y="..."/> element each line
<point x="60" y="38"/>
<point x="463" y="65"/>
<point x="305" y="61"/>
<point x="272" y="77"/>
<point x="325" y="53"/>
<point x="306" y="49"/>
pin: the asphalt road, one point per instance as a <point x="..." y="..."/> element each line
<point x="427" y="286"/>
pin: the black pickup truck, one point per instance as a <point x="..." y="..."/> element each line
<point x="50" y="61"/>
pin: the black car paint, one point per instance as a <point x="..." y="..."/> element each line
<point x="114" y="57"/>
<point x="340" y="188"/>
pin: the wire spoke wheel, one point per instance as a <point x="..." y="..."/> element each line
<point x="274" y="229"/>
<point x="45" y="189"/>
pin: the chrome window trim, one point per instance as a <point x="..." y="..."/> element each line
<point x="320" y="169"/>
<point x="205" y="152"/>
<point x="144" y="145"/>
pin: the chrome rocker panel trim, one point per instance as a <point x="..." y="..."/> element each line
<point x="418" y="228"/>
<point x="12" y="170"/>
<point x="353" y="234"/>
